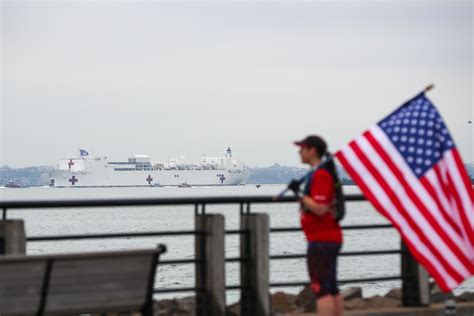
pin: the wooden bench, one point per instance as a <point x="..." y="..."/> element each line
<point x="79" y="283"/>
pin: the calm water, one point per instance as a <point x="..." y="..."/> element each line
<point x="139" y="219"/>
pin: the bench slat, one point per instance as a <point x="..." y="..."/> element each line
<point x="98" y="283"/>
<point x="20" y="287"/>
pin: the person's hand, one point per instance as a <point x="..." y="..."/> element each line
<point x="332" y="208"/>
<point x="302" y="200"/>
<point x="294" y="186"/>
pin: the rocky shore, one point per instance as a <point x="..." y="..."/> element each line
<point x="304" y="302"/>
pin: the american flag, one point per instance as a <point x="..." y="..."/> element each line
<point x="408" y="167"/>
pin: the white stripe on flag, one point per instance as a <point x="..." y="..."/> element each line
<point x="443" y="170"/>
<point x="408" y="204"/>
<point x="444" y="200"/>
<point x="399" y="220"/>
<point x="434" y="182"/>
<point x="460" y="188"/>
<point x="467" y="231"/>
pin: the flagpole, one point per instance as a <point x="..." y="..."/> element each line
<point x="428" y="88"/>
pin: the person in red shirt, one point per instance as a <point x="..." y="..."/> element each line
<point x="319" y="225"/>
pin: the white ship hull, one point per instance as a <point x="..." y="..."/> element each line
<point x="79" y="172"/>
<point x="147" y="178"/>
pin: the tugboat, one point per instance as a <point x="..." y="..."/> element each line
<point x="12" y="184"/>
<point x="184" y="185"/>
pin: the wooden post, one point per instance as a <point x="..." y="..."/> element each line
<point x="415" y="281"/>
<point x="12" y="237"/>
<point x="210" y="272"/>
<point x="254" y="270"/>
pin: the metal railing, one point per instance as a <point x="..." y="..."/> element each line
<point x="199" y="204"/>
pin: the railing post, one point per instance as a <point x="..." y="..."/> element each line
<point x="12" y="237"/>
<point x="210" y="270"/>
<point x="254" y="270"/>
<point x="415" y="281"/>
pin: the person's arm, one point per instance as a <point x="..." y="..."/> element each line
<point x="311" y="205"/>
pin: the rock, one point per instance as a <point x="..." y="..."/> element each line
<point x="378" y="301"/>
<point x="351" y="293"/>
<point x="306" y="300"/>
<point x="283" y="302"/>
<point x="175" y="307"/>
<point x="186" y="305"/>
<point x="395" y="294"/>
<point x="162" y="307"/>
<point x="356" y="303"/>
<point x="466" y="297"/>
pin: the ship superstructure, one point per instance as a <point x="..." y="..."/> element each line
<point x="139" y="170"/>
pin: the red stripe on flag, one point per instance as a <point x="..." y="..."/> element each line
<point x="463" y="190"/>
<point x="460" y="209"/>
<point x="417" y="201"/>
<point x="446" y="216"/>
<point x="441" y="180"/>
<point x="458" y="202"/>
<point x="455" y="200"/>
<point x="442" y="183"/>
<point x="373" y="199"/>
<point x="408" y="217"/>
<point x="464" y="176"/>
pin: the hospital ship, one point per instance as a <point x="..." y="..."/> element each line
<point x="140" y="171"/>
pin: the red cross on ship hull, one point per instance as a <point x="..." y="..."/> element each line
<point x="73" y="180"/>
<point x="149" y="179"/>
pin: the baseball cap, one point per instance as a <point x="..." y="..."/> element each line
<point x="313" y="141"/>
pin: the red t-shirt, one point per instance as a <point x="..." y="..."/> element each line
<point x="325" y="227"/>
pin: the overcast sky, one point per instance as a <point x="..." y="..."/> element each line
<point x="165" y="79"/>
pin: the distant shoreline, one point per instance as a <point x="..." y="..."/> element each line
<point x="38" y="176"/>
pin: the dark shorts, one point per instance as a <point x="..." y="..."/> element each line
<point x="322" y="267"/>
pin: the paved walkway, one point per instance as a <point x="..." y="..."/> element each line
<point x="462" y="309"/>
